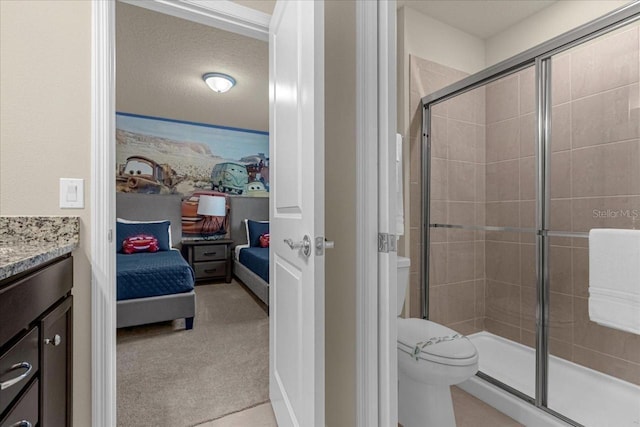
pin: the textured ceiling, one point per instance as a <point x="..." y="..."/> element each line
<point x="482" y="18"/>
<point x="160" y="61"/>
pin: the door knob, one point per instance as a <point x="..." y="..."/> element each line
<point x="55" y="341"/>
<point x="305" y="245"/>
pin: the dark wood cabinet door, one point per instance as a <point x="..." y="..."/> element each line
<point x="55" y="361"/>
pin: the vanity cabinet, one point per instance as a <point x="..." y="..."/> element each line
<point x="36" y="310"/>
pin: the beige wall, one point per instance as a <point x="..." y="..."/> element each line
<point x="552" y="21"/>
<point x="340" y="212"/>
<point x="45" y="107"/>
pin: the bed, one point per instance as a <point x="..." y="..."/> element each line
<point x="158" y="286"/>
<point x="250" y="264"/>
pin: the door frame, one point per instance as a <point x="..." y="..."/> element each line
<point x="375" y="329"/>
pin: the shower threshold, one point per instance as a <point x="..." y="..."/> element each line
<point x="588" y="397"/>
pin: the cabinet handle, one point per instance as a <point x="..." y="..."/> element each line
<point x="56" y="340"/>
<point x="211" y="270"/>
<point x="23" y="423"/>
<point x="210" y="253"/>
<point x="22" y="365"/>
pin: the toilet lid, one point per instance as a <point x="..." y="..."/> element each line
<point x="458" y="351"/>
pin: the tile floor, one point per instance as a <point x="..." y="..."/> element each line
<point x="470" y="412"/>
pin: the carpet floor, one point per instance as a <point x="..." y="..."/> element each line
<point x="171" y="377"/>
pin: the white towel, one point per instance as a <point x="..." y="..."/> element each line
<point x="614" y="278"/>
<point x="399" y="188"/>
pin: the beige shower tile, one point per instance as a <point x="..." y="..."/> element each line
<point x="609" y="62"/>
<point x="605" y="117"/>
<point x="481" y="183"/>
<point x="502" y="261"/>
<point x="528" y="178"/>
<point x="502" y="303"/>
<point x="560" y="214"/>
<point x="415" y="161"/>
<point x="528" y="304"/>
<point x="480" y="259"/>
<point x="580" y="266"/>
<point x="528" y="265"/>
<point x="460" y="262"/>
<point x="502" y="99"/>
<point x="528" y="135"/>
<point x="461" y="213"/>
<point x="605" y="212"/>
<point x="480" y="287"/>
<point x="560" y="269"/>
<point x="415" y="248"/>
<point x="528" y="220"/>
<point x="467" y="327"/>
<point x="415" y="204"/>
<point x="415" y="299"/>
<point x="439" y="183"/>
<point x="527" y="90"/>
<point x="461" y="139"/>
<point x="463" y="107"/>
<point x="461" y="181"/>
<point x="439" y="137"/>
<point x="607" y="170"/>
<point x="560" y="175"/>
<point x="458" y="302"/>
<point x="560" y="127"/>
<point x="510" y="332"/>
<point x="602" y="339"/>
<point x="560" y="79"/>
<point x="561" y="317"/>
<point x="502" y="181"/>
<point x="481" y="143"/>
<point x="503" y="214"/>
<point x="503" y="140"/>
<point x="437" y="263"/>
<point x="613" y="366"/>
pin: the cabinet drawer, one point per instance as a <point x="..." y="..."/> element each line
<point x="25" y="413"/>
<point x="210" y="269"/>
<point x="209" y="253"/>
<point x="17" y="366"/>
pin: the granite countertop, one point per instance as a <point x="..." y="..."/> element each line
<point x="29" y="241"/>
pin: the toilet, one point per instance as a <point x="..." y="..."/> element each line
<point x="431" y="358"/>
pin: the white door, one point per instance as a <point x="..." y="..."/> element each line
<point x="296" y="212"/>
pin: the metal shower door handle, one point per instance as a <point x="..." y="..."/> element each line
<point x="305" y="245"/>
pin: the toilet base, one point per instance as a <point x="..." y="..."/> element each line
<point x="424" y="405"/>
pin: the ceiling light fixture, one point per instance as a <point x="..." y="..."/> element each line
<point x="219" y="82"/>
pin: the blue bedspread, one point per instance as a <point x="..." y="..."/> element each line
<point x="152" y="274"/>
<point x="257" y="260"/>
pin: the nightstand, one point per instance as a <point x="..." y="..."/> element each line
<point x="210" y="259"/>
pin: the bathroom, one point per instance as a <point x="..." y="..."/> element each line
<point x="521" y="166"/>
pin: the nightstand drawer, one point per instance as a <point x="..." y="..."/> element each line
<point x="210" y="253"/>
<point x="210" y="269"/>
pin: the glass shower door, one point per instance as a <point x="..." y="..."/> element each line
<point x="594" y="182"/>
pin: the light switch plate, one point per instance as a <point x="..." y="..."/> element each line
<point x="71" y="193"/>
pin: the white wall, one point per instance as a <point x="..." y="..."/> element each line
<point x="45" y="134"/>
<point x="546" y="24"/>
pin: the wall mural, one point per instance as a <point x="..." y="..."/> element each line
<point x="164" y="156"/>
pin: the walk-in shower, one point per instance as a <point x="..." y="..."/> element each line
<point x="519" y="162"/>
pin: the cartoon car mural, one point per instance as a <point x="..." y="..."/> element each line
<point x="143" y="175"/>
<point x="229" y="177"/>
<point x="194" y="224"/>
<point x="256" y="189"/>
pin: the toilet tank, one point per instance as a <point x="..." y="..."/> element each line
<point x="403" y="281"/>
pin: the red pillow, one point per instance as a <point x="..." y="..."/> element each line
<point x="140" y="243"/>
<point x="264" y="240"/>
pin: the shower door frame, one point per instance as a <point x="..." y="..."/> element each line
<point x="539" y="57"/>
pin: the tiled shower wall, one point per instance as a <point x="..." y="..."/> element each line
<point x="483" y="173"/>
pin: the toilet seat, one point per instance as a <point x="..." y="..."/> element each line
<point x="458" y="351"/>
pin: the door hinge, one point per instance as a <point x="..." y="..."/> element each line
<point x="387" y="243"/>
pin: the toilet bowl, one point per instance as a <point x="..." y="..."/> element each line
<point x="431" y="358"/>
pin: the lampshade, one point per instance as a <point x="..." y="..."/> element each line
<point x="219" y="82"/>
<point x="212" y="206"/>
